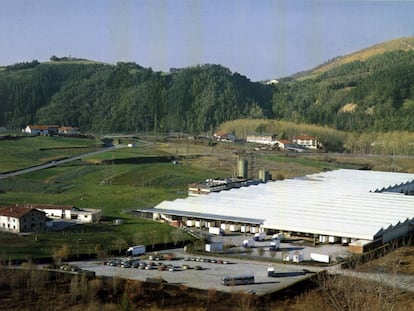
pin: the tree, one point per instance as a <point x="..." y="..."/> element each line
<point x="61" y="254"/>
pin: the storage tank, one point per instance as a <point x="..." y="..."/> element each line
<point x="242" y="168"/>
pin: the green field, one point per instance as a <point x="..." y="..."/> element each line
<point x="25" y="151"/>
<point x="116" y="189"/>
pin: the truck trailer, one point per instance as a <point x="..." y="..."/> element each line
<point x="260" y="236"/>
<point x="136" y="250"/>
<point x="216" y="231"/>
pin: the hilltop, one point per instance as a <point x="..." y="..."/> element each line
<point x="400" y="44"/>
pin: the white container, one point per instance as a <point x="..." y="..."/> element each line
<point x="297" y="258"/>
<point x="214" y="247"/>
<point x="225" y="227"/>
<point x="320" y="257"/>
<point x="234" y="228"/>
<point x="245" y="228"/>
<point x="190" y="223"/>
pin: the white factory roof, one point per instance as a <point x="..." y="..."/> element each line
<point x="339" y="203"/>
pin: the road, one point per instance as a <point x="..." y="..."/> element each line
<point x="58" y="162"/>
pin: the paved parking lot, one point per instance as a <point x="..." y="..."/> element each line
<point x="210" y="274"/>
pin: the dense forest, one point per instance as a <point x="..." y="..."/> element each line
<point x="376" y="94"/>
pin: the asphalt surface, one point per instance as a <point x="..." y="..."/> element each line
<point x="211" y="273"/>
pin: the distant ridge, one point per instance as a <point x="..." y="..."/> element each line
<point x="403" y="44"/>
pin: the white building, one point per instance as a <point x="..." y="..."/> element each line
<point x="306" y="141"/>
<point x="351" y="204"/>
<point x="41" y="129"/>
<point x="82" y="215"/>
<point x="262" y="139"/>
<point x="18" y="219"/>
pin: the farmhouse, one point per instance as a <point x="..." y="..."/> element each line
<point x="306" y="141"/>
<point x="224" y="136"/>
<point x="68" y="130"/>
<point x="41" y="129"/>
<point x="17" y="219"/>
<point x="342" y="205"/>
<point x="70" y="213"/>
<point x="262" y="139"/>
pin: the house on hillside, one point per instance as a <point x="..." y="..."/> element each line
<point x="68" y="130"/>
<point x="81" y="215"/>
<point x="262" y="139"/>
<point x="306" y="141"/>
<point x="41" y="129"/>
<point x="17" y="219"/>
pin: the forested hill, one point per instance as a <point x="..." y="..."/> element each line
<point x="374" y="92"/>
<point x="127" y="97"/>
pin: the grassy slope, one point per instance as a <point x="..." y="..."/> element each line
<point x="26" y="151"/>
<point x="404" y="44"/>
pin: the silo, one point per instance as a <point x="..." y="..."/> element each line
<point x="242" y="168"/>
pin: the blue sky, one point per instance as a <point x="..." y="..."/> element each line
<point x="261" y="39"/>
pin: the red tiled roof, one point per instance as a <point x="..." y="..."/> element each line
<point x="285" y="141"/>
<point x="220" y="133"/>
<point x="17" y="211"/>
<point x="42" y="127"/>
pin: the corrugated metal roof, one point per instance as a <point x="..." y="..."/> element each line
<point x="338" y="203"/>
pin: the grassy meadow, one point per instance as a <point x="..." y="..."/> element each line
<point x="25" y="151"/>
<point x="116" y="189"/>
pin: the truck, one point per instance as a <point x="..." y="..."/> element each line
<point x="260" y="236"/>
<point x="216" y="231"/>
<point x="135" y="250"/>
<point x="278" y="236"/>
<point x="320" y="257"/>
<point x="248" y="243"/>
<point x="274" y="245"/>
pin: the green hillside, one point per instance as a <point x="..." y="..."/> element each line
<point x="369" y="90"/>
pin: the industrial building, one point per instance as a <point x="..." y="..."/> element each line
<point x="341" y="205"/>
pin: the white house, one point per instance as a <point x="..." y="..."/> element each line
<point x="306" y="141"/>
<point x="81" y="215"/>
<point x="68" y="130"/>
<point x="18" y="219"/>
<point x="41" y="129"/>
<point x="262" y="139"/>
